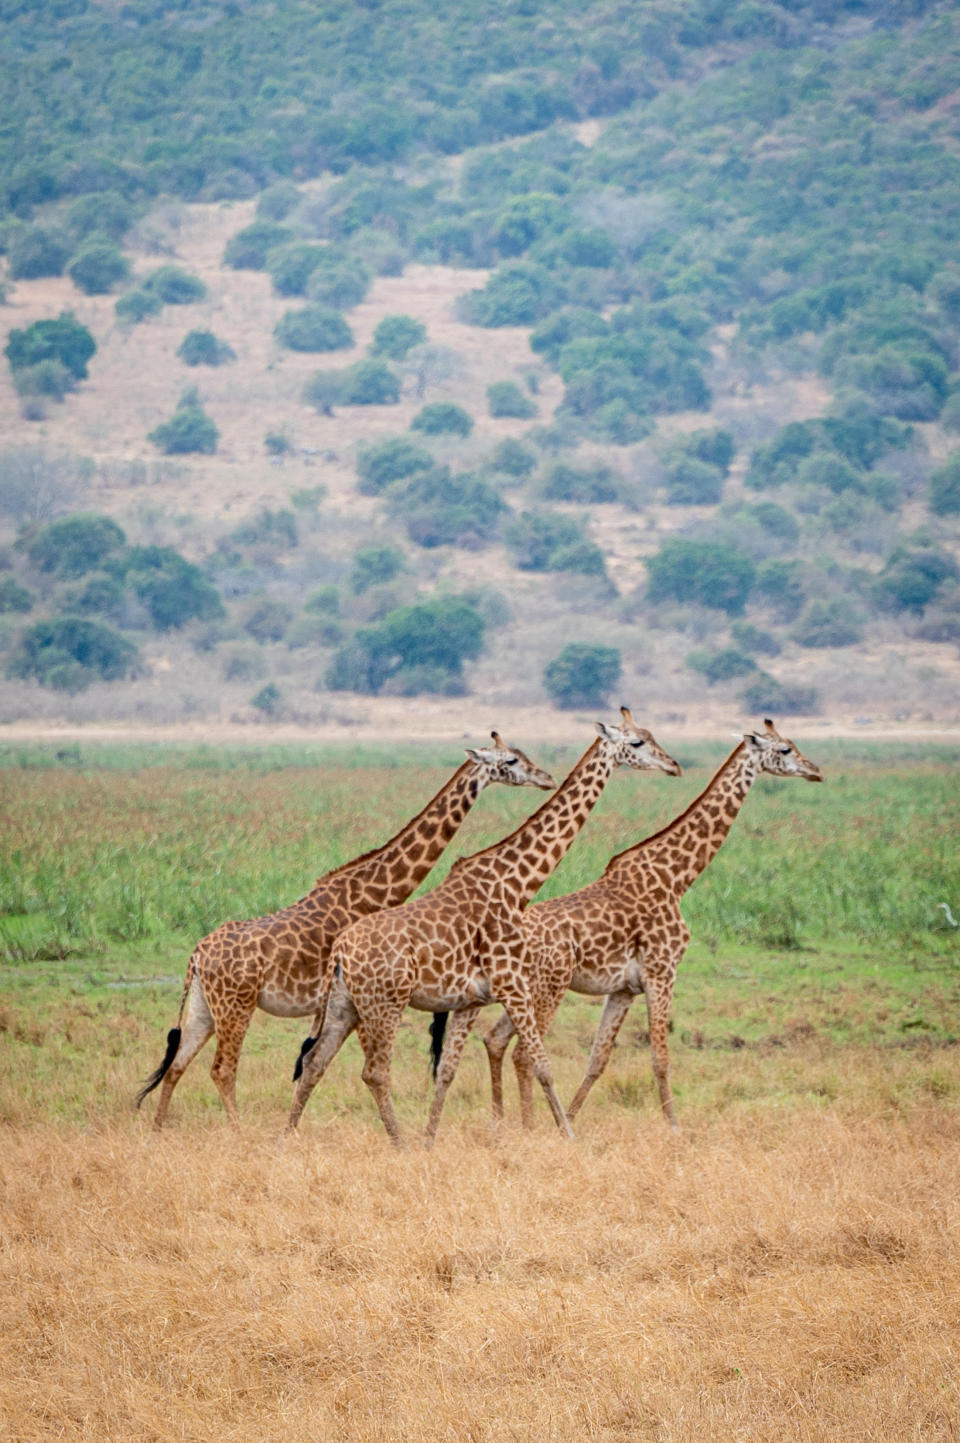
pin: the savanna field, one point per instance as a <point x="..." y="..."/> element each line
<point x="783" y="1267"/>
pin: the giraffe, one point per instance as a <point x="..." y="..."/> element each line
<point x="276" y="962"/>
<point x="624" y="933"/>
<point x="461" y="946"/>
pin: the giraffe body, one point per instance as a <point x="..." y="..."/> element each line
<point x="462" y="946"/>
<point x="276" y="962"/>
<point x="624" y="934"/>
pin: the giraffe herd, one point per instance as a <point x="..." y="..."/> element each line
<point x="354" y="953"/>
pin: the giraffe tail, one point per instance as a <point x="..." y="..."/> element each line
<point x="173" y="1041"/>
<point x="438" y="1027"/>
<point x="310" y="1042"/>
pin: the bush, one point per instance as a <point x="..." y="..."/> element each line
<point x="36" y="253"/>
<point x="47" y="379"/>
<point x="98" y="268"/>
<point x="175" y="287"/>
<point x="945" y="487"/>
<point x="173" y="590"/>
<point x="829" y="623"/>
<point x="716" y="448"/>
<point x="505" y="400"/>
<point x="779" y="584"/>
<point x="373" y="566"/>
<point x="189" y="429"/>
<point x="517" y="294"/>
<point x="827" y="468"/>
<point x="107" y="213"/>
<point x="536" y="538"/>
<point x="268" y="528"/>
<point x="691" y="482"/>
<point x="583" y="484"/>
<point x="591" y="247"/>
<point x="513" y="458"/>
<point x="765" y="695"/>
<point x="202" y="348"/>
<point x="340" y="280"/>
<point x="752" y="638"/>
<point x="267" y="699"/>
<point x="68" y="652"/>
<point x="707" y="572"/>
<point x="324" y="390"/>
<point x="277" y="201"/>
<point x="427" y="642"/>
<point x="248" y="249"/>
<point x="323" y="601"/>
<point x="136" y="306"/>
<point x="571" y="324"/>
<point x="441" y="509"/>
<point x="313" y="328"/>
<point x="267" y="619"/>
<point x="442" y="417"/>
<point x="291" y="267"/>
<point x="100" y="595"/>
<point x="912" y="577"/>
<point x="13" y="596"/>
<point x="73" y="546"/>
<point x="581" y="675"/>
<point x="388" y="461"/>
<point x="718" y="666"/>
<point x="370" y="383"/>
<point x="396" y="335"/>
<point x="64" y="340"/>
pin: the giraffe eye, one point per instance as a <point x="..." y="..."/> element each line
<point x="510" y="761"/>
<point x="637" y="743"/>
<point x="784" y="751"/>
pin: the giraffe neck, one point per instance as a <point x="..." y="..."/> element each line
<point x="397" y="868"/>
<point x="682" y="850"/>
<point x="523" y="861"/>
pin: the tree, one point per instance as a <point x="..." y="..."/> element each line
<point x="536" y="538"/>
<point x="380" y="465"/>
<point x="584" y="484"/>
<point x="913" y="576"/>
<point x="36" y="253"/>
<point x="98" y="267"/>
<point x="370" y="383"/>
<point x="136" y="306"/>
<point x="14" y="596"/>
<point x="945" y="487"/>
<point x="248" y="249"/>
<point x="722" y="665"/>
<point x="439" y="508"/>
<point x="395" y="336"/>
<point x="64" y="340"/>
<point x="291" y="266"/>
<point x="707" y="572"/>
<point x="68" y="652"/>
<point x="189" y="429"/>
<point x="766" y="694"/>
<point x="506" y="399"/>
<point x="422" y="646"/>
<point x="173" y="589"/>
<point x="324" y="390"/>
<point x="513" y="458"/>
<point x="582" y="675"/>
<point x="313" y="328"/>
<point x="374" y="565"/>
<point x="442" y="417"/>
<point x="691" y="482"/>
<point x="174" y="286"/>
<point x="517" y="294"/>
<point x="73" y="546"/>
<point x="829" y="623"/>
<point x="202" y="348"/>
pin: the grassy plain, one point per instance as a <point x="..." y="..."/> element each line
<point x="785" y="1267"/>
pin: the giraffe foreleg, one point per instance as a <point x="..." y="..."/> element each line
<point x="545" y="1014"/>
<point x="496" y="1041"/>
<point x="377" y="1037"/>
<point x="457" y="1034"/>
<point x="615" y="1010"/>
<point x="516" y="999"/>
<point x="659" y="991"/>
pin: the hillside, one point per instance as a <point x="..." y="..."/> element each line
<point x="713" y="279"/>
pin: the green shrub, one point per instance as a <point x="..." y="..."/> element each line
<point x="912" y="577"/>
<point x="173" y="590"/>
<point x="570" y="324"/>
<point x="189" y="429"/>
<point x="68" y="652"/>
<point x="588" y="247"/>
<point x="341" y="279"/>
<point x="313" y="328"/>
<point x="202" y="348"/>
<point x="74" y="545"/>
<point x="267" y="619"/>
<point x="827" y="468"/>
<point x="505" y="399"/>
<point x="268" y="528"/>
<point x="582" y="675"/>
<point x="829" y="623"/>
<point x="248" y="249"/>
<point x="46" y="380"/>
<point x="174" y="286"/>
<point x="291" y="266"/>
<point x="945" y="487"/>
<point x="691" y="482"/>
<point x="585" y="484"/>
<point x="716" y="448"/>
<point x="37" y="253"/>
<point x="14" y="596"/>
<point x="323" y="601"/>
<point x="425" y="644"/>
<point x="370" y="383"/>
<point x="380" y="465"/>
<point x="718" y="666"/>
<point x="277" y="444"/>
<point x="64" y="340"/>
<point x="766" y="695"/>
<point x="324" y="390"/>
<point x="277" y="201"/>
<point x="374" y="565"/>
<point x="517" y="294"/>
<point x="395" y="336"/>
<point x="267" y="699"/>
<point x="779" y="584"/>
<point x="136" y="306"/>
<point x="752" y="638"/>
<point x="98" y="268"/>
<point x="442" y="418"/>
<point x="708" y="572"/>
<point x="537" y="537"/>
<point x="441" y="509"/>
<point x="107" y="213"/>
<point x="513" y="458"/>
<point x="100" y="595"/>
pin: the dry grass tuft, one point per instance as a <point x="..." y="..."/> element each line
<point x="765" y="1275"/>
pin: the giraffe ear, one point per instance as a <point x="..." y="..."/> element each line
<point x="604" y="731"/>
<point x="473" y="754"/>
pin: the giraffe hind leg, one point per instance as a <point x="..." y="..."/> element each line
<point x="496" y="1041"/>
<point x="615" y="1010"/>
<point x="197" y="1030"/>
<point x="447" y="1066"/>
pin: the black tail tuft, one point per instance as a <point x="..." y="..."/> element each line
<point x="155" y="1078"/>
<point x="306" y="1046"/>
<point x="437" y="1028"/>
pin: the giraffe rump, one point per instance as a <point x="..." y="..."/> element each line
<point x="155" y="1078"/>
<point x="438" y="1027"/>
<point x="306" y="1046"/>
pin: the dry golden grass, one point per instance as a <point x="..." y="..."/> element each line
<point x="767" y="1273"/>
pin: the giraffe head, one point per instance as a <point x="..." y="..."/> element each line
<point x="778" y="756"/>
<point x="634" y="746"/>
<point x="503" y="763"/>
